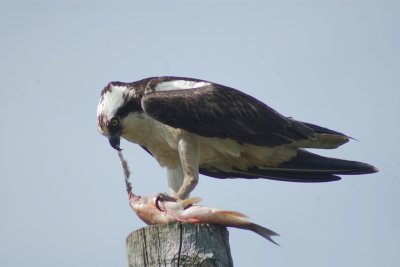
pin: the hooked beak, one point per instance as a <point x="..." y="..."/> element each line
<point x="115" y="141"/>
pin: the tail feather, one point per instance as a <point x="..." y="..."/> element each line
<point x="305" y="167"/>
<point x="308" y="162"/>
<point x="309" y="167"/>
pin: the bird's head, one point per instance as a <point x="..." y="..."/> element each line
<point x="117" y="100"/>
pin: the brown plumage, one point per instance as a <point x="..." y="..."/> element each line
<point x="193" y="127"/>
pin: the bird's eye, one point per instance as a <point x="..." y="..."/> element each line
<point x="114" y="122"/>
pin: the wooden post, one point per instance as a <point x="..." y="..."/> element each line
<point x="179" y="244"/>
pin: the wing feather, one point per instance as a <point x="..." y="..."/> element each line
<point x="219" y="111"/>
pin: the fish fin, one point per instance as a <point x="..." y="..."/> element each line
<point x="190" y="201"/>
<point x="231" y="213"/>
<point x="193" y="220"/>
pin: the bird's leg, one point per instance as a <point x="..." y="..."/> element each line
<point x="188" y="149"/>
<point x="175" y="179"/>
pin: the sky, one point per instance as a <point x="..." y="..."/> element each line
<point x="331" y="63"/>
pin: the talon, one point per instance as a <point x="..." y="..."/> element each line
<point x="163" y="197"/>
<point x="158" y="198"/>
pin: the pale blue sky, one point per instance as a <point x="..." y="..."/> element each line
<point x="333" y="63"/>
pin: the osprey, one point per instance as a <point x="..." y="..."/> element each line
<point x="193" y="126"/>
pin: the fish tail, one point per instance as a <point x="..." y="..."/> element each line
<point x="239" y="220"/>
<point x="264" y="232"/>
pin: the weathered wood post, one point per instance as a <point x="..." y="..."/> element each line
<point x="179" y="244"/>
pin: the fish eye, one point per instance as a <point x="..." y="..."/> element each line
<point x="114" y="122"/>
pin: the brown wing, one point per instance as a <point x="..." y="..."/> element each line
<point x="223" y="112"/>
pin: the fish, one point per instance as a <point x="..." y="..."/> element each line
<point x="161" y="209"/>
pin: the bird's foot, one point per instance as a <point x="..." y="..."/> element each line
<point x="181" y="196"/>
<point x="161" y="197"/>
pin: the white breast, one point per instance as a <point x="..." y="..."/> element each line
<point x="160" y="139"/>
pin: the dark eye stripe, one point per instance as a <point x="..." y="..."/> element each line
<point x="132" y="106"/>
